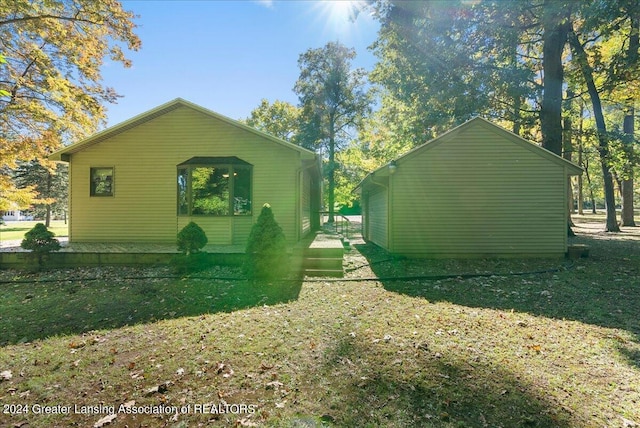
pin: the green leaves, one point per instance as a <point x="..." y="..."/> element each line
<point x="191" y="239"/>
<point x="279" y="119"/>
<point x="40" y="241"/>
<point x="334" y="100"/>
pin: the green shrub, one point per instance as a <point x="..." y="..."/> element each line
<point x="40" y="241"/>
<point x="191" y="239"/>
<point x="266" y="252"/>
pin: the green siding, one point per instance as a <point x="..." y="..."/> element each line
<point x="477" y="190"/>
<point x="306" y="203"/>
<point x="145" y="158"/>
<point x="378" y="223"/>
<point x="478" y="194"/>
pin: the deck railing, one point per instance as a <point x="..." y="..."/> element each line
<point x="340" y="225"/>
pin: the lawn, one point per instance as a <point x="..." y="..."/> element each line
<point x="15" y="230"/>
<point x="473" y="343"/>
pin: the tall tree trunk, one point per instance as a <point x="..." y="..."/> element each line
<point x="603" y="144"/>
<point x="567" y="153"/>
<point x="627" y="215"/>
<point x="332" y="169"/>
<point x="580" y="184"/>
<point x="555" y="28"/>
<point x="517" y="119"/>
<point x="591" y="197"/>
<point x="628" y="128"/>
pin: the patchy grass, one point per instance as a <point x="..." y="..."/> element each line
<point x="553" y="349"/>
<point x="15" y="230"/>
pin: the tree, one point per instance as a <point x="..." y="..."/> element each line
<point x="333" y="100"/>
<point x="602" y="73"/>
<point x="630" y="61"/>
<point x="50" y="81"/>
<point x="446" y="62"/>
<point x="381" y="138"/>
<point x="556" y="24"/>
<point x="49" y="180"/>
<point x="279" y="119"/>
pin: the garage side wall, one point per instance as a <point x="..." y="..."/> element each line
<point x="478" y="194"/>
<point x="377" y="221"/>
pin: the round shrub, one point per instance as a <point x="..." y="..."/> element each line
<point x="191" y="239"/>
<point x="40" y="241"/>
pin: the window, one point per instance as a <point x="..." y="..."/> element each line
<point x="101" y="182"/>
<point x="214" y="186"/>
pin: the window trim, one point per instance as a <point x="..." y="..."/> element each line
<point x="231" y="164"/>
<point x="92" y="189"/>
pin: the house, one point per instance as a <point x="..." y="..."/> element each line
<point x="475" y="191"/>
<point x="15" y="215"/>
<point x="143" y="180"/>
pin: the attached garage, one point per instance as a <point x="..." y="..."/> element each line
<point x="476" y="191"/>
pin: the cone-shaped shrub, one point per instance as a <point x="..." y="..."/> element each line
<point x="191" y="239"/>
<point x="40" y="241"/>
<point x="266" y="252"/>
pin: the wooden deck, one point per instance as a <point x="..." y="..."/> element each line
<point x="123" y="248"/>
<point x="317" y="255"/>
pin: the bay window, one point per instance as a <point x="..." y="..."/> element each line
<point x="214" y="186"/>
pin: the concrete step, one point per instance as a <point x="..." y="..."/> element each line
<point x="322" y="263"/>
<point x="334" y="273"/>
<point x="324" y="252"/>
<point x="324" y="256"/>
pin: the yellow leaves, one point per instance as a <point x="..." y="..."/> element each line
<point x="535" y="348"/>
<point x="77" y="345"/>
<point x="12" y="197"/>
<point x="52" y="84"/>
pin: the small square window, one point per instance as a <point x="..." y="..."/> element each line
<point x="102" y="181"/>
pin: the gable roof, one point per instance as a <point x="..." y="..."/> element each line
<point x="383" y="171"/>
<point x="64" y="153"/>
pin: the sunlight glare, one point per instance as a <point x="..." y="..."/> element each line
<point x="340" y="14"/>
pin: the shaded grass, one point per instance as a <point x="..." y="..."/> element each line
<point x="595" y="290"/>
<point x="480" y="352"/>
<point x="107" y="298"/>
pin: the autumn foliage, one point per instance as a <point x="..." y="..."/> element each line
<point x="51" y="90"/>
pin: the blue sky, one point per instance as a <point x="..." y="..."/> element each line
<point x="228" y="55"/>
